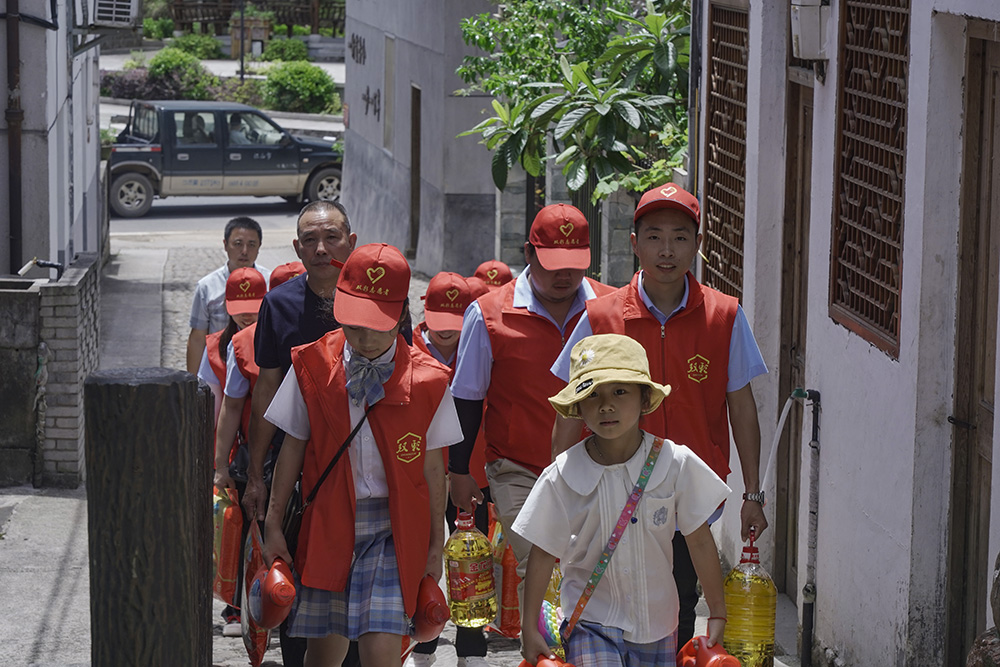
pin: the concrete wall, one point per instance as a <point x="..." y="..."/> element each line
<point x="61" y="197"/>
<point x="456" y="193"/>
<point x="886" y="452"/>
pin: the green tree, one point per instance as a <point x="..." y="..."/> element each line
<point x="621" y="115"/>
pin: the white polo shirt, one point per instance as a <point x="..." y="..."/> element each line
<point x="575" y="505"/>
<point x="288" y="412"/>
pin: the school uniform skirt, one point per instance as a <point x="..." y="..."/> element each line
<point x="373" y="598"/>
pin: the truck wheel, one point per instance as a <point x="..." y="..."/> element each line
<point x="131" y="195"/>
<point x="324" y="184"/>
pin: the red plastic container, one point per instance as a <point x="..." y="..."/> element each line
<point x="272" y="593"/>
<point x="432" y="611"/>
<point x="696" y="653"/>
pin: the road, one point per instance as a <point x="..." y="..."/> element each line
<point x="193" y="215"/>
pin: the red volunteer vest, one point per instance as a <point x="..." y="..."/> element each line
<point x="691" y="354"/>
<point x="399" y="423"/>
<point x="243" y="354"/>
<point x="519" y="418"/>
<point x="216" y="360"/>
<point x="477" y="464"/>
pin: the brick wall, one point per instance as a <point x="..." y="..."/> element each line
<point x="70" y="327"/>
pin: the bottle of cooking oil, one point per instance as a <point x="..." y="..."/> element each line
<point x="468" y="557"/>
<point x="750" y="604"/>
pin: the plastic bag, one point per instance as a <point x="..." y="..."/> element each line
<point x="508" y="620"/>
<point x="227" y="521"/>
<point x="255" y="638"/>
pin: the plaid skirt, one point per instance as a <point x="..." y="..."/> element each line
<point x="373" y="599"/>
<point x="594" y="645"/>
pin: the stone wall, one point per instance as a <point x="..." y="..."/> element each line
<point x="70" y="328"/>
<point x="19" y="304"/>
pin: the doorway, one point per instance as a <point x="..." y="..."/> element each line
<point x="794" y="296"/>
<point x="976" y="345"/>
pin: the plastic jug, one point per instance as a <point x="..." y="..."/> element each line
<point x="468" y="557"/>
<point x="751" y="599"/>
<point x="271" y="594"/>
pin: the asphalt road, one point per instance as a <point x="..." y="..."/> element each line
<point x="207" y="214"/>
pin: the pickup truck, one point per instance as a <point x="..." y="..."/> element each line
<point x="172" y="148"/>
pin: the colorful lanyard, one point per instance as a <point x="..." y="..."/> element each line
<point x="616" y="534"/>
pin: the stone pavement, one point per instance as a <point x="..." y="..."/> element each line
<point x="44" y="574"/>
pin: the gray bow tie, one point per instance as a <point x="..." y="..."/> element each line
<point x="365" y="379"/>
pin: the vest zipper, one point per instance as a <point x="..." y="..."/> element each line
<point x="663" y="333"/>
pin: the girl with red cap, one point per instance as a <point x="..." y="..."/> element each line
<point x="376" y="524"/>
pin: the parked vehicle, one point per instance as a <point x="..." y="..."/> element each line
<point x="172" y="148"/>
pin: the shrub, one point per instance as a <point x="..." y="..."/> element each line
<point x="157" y="28"/>
<point x="248" y="91"/>
<point x="203" y="47"/>
<point x="132" y="84"/>
<point x="175" y="69"/>
<point x="287" y="50"/>
<point x="298" y="86"/>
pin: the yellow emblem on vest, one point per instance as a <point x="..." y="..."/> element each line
<point x="408" y="447"/>
<point x="698" y="368"/>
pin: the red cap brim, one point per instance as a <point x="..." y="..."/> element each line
<point x="243" y="306"/>
<point x="439" y="321"/>
<point x="554" y="259"/>
<point x="356" y="311"/>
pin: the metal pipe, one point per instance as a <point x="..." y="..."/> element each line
<point x="809" y="590"/>
<point x="14" y="115"/>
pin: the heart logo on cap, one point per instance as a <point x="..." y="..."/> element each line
<point x="566" y="229"/>
<point x="492" y="274"/>
<point x="375" y="274"/>
<point x="452" y="294"/>
<point x="245" y="285"/>
<point x="669" y="191"/>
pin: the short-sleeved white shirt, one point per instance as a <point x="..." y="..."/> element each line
<point x="208" y="308"/>
<point x="288" y="412"/>
<point x="575" y="505"/>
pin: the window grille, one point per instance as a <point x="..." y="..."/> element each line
<point x="725" y="171"/>
<point x="865" y="271"/>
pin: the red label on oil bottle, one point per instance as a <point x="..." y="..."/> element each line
<point x="470" y="580"/>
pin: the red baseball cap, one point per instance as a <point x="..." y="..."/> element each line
<point x="561" y="237"/>
<point x="448" y="295"/>
<point x="285" y="272"/>
<point x="245" y="289"/>
<point x="477" y="287"/>
<point x="495" y="273"/>
<point x="372" y="287"/>
<point x="669" y="195"/>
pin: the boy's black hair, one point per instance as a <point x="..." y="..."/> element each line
<point x="325" y="206"/>
<point x="244" y="222"/>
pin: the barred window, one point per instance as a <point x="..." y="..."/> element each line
<point x="725" y="163"/>
<point x="865" y="271"/>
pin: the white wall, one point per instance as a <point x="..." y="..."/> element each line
<point x="885" y="441"/>
<point x="60" y="144"/>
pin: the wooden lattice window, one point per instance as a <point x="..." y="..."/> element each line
<point x="867" y="248"/>
<point x="725" y="170"/>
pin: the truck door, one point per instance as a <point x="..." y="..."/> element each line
<point x="193" y="155"/>
<point x="258" y="160"/>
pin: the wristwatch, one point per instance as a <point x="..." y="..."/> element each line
<point x="755" y="497"/>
